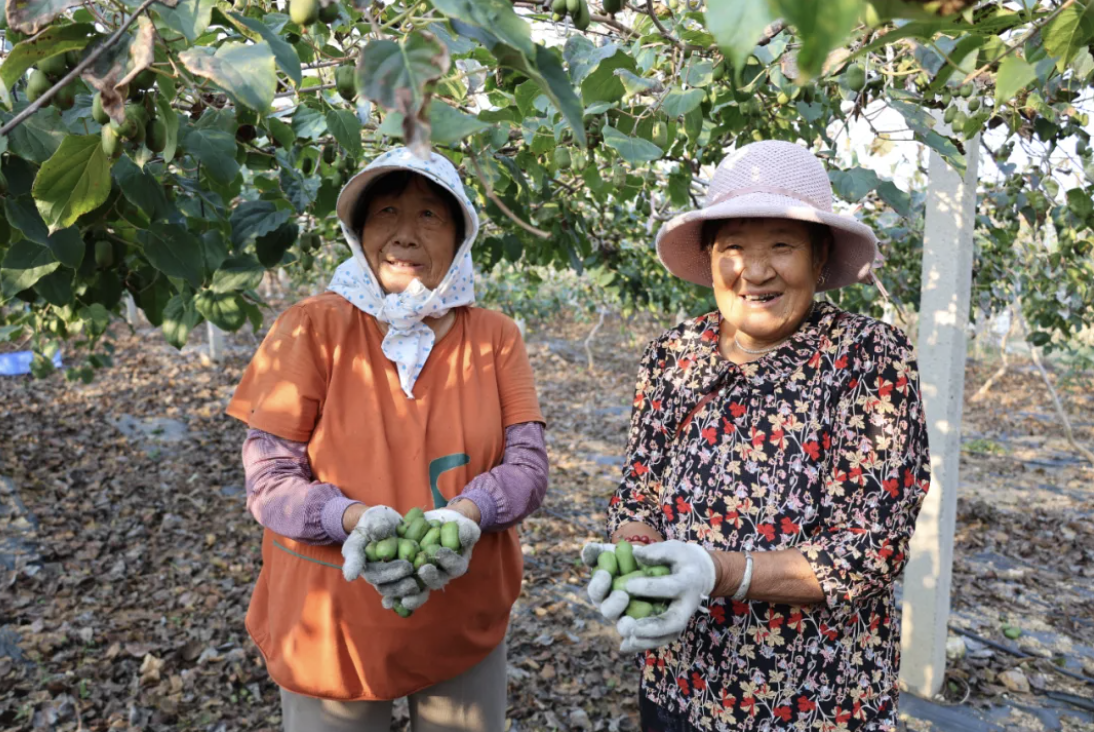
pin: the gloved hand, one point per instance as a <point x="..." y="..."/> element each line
<point x="611" y="604"/>
<point x="450" y="565"/>
<point x="391" y="579"/>
<point x="691" y="581"/>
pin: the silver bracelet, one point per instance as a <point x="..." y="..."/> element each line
<point x="746" y="580"/>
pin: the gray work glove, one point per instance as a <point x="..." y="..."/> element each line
<point x="692" y="580"/>
<point x="450" y="565"/>
<point x="391" y="579"/>
<point x="610" y="604"/>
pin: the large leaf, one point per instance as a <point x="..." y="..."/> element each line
<point x="346" y="128"/>
<point x="24" y="264"/>
<point x="898" y="199"/>
<point x="222" y="309"/>
<point x="1069" y="32"/>
<point x="603" y="85"/>
<point x="66" y="245"/>
<point x="171" y="122"/>
<point x="450" y="125"/>
<point x="679" y="102"/>
<point x="174" y="251"/>
<point x="248" y="72"/>
<point x="180" y="316"/>
<point x="255" y="218"/>
<point x="287" y="58"/>
<point x="238" y="273"/>
<point x="39" y="136"/>
<point x="497" y="17"/>
<point x="51" y="42"/>
<point x="737" y="26"/>
<point x="189" y="17"/>
<point x="142" y="189"/>
<point x="822" y="26"/>
<point x="72" y="182"/>
<point x="216" y="150"/>
<point x="632" y="149"/>
<point x="271" y="247"/>
<point x="853" y="184"/>
<point x="30" y="16"/>
<point x="119" y="65"/>
<point x="547" y="71"/>
<point x="1015" y="74"/>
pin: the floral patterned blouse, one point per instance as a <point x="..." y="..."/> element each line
<point x="820" y="445"/>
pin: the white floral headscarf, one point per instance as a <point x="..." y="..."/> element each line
<point x="408" y="341"/>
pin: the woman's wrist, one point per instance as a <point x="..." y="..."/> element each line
<point x="637" y="532"/>
<point x="468" y="508"/>
<point x="729" y="569"/>
<point x="352" y="515"/>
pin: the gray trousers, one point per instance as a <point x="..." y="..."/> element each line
<point x="474" y="701"/>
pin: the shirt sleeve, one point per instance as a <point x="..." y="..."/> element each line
<point x="283" y="496"/>
<point x="637" y="498"/>
<point x="516" y="384"/>
<point x="877" y="476"/>
<point x="284" y="387"/>
<point x="510" y="492"/>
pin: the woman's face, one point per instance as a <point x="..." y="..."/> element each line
<point x="765" y="276"/>
<point x="409" y="236"/>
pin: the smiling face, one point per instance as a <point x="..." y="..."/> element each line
<point x="765" y="274"/>
<point x="410" y="234"/>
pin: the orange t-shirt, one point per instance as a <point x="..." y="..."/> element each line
<point x="321" y="377"/>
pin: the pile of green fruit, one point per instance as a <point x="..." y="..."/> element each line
<point x="623" y="567"/>
<point x="48" y="72"/>
<point x="578" y="10"/>
<point x="416" y="541"/>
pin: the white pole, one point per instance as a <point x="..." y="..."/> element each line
<point x="132" y="315"/>
<point x="216" y="342"/>
<point x="943" y="326"/>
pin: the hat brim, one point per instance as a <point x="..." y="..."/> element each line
<point x="357" y="185"/>
<point x="854" y="245"/>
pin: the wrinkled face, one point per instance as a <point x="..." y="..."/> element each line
<point x="765" y="275"/>
<point x="409" y="236"/>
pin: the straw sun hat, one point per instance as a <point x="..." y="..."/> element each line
<point x="769" y="179"/>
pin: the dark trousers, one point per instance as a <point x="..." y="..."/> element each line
<point x="654" y="718"/>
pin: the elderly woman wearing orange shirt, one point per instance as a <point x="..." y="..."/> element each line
<point x="387" y="393"/>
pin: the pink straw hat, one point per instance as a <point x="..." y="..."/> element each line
<point x="769" y="179"/>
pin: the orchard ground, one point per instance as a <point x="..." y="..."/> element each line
<point x="127" y="556"/>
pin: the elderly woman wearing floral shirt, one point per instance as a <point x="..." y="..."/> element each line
<point x="777" y="461"/>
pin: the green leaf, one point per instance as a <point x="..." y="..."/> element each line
<point x="97" y="315"/>
<point x="216" y="150"/>
<point x="1078" y="201"/>
<point x="603" y="84"/>
<point x="222" y="309"/>
<point x="171" y="121"/>
<point x="308" y="124"/>
<point x="173" y="250"/>
<point x="680" y="102"/>
<point x="53" y="41"/>
<point x="66" y="245"/>
<point x="821" y="26"/>
<point x="634" y="84"/>
<point x="1014" y="76"/>
<point x="189" y="17"/>
<point x="30" y="16"/>
<point x="72" y="182"/>
<point x="142" y="189"/>
<point x="287" y="58"/>
<point x="700" y="72"/>
<point x="497" y="17"/>
<point x="56" y="287"/>
<point x="246" y="71"/>
<point x="179" y="318"/>
<point x="853" y="184"/>
<point x="214" y="251"/>
<point x="39" y="136"/>
<point x="238" y="273"/>
<point x="346" y="128"/>
<point x="547" y="71"/>
<point x="394" y="75"/>
<point x="281" y="131"/>
<point x="450" y="125"/>
<point x="24" y="264"/>
<point x="898" y="199"/>
<point x="255" y="218"/>
<point x="632" y="149"/>
<point x="964" y="55"/>
<point x="1069" y="32"/>
<point x="945" y="147"/>
<point x="271" y="247"/>
<point x="301" y="190"/>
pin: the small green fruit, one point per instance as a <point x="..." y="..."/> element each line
<point x="97" y="112"/>
<point x="104" y="254"/>
<point x="974" y="104"/>
<point x="112" y="145"/>
<point x="37" y="85"/>
<point x="345" y="81"/>
<point x="72" y="59"/>
<point x="330" y="154"/>
<point x="144" y="80"/>
<point x="54" y="65"/>
<point x="155" y="138"/>
<point x="562" y="158"/>
<point x="65" y="97"/>
<point x="304" y="12"/>
<point x="856" y="77"/>
<point x="330" y="13"/>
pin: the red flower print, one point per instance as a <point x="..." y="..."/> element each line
<point x="789" y="527"/>
<point x="697" y="682"/>
<point x="796" y="623"/>
<point x="884" y="388"/>
<point x="682" y="506"/>
<point x="841" y="362"/>
<point x="656" y="404"/>
<point x="813" y="449"/>
<point x="856" y="475"/>
<point x="828" y="633"/>
<point x="892" y="487"/>
<point x="718" y="614"/>
<point x="740" y="608"/>
<point x="710" y="434"/>
<point x="777" y="439"/>
<point x="616" y="500"/>
<point x="735" y="518"/>
<point x="852" y="383"/>
<point x="685" y="363"/>
<point x="729" y="427"/>
<point x="728" y="701"/>
<point x="774" y="620"/>
<point x="737" y="410"/>
<point x="885" y="551"/>
<point x="805" y="705"/>
<point x="638" y="398"/>
<point x="683" y="684"/>
<point x="757" y="438"/>
<point x="716" y="520"/>
<point x="748" y="704"/>
<point x="909" y="479"/>
<point x="842" y="717"/>
<point x="709" y="335"/>
<point x="667" y="510"/>
<point x="640" y="469"/>
<point x="814" y="360"/>
<point x="826" y="440"/>
<point x="783" y="713"/>
<point x="902" y="384"/>
<point x="767" y="530"/>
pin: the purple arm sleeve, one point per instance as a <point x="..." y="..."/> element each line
<point x="283" y="495"/>
<point x="514" y="489"/>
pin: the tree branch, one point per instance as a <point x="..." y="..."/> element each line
<point x="1021" y="42"/>
<point x="501" y="204"/>
<point x="72" y="75"/>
